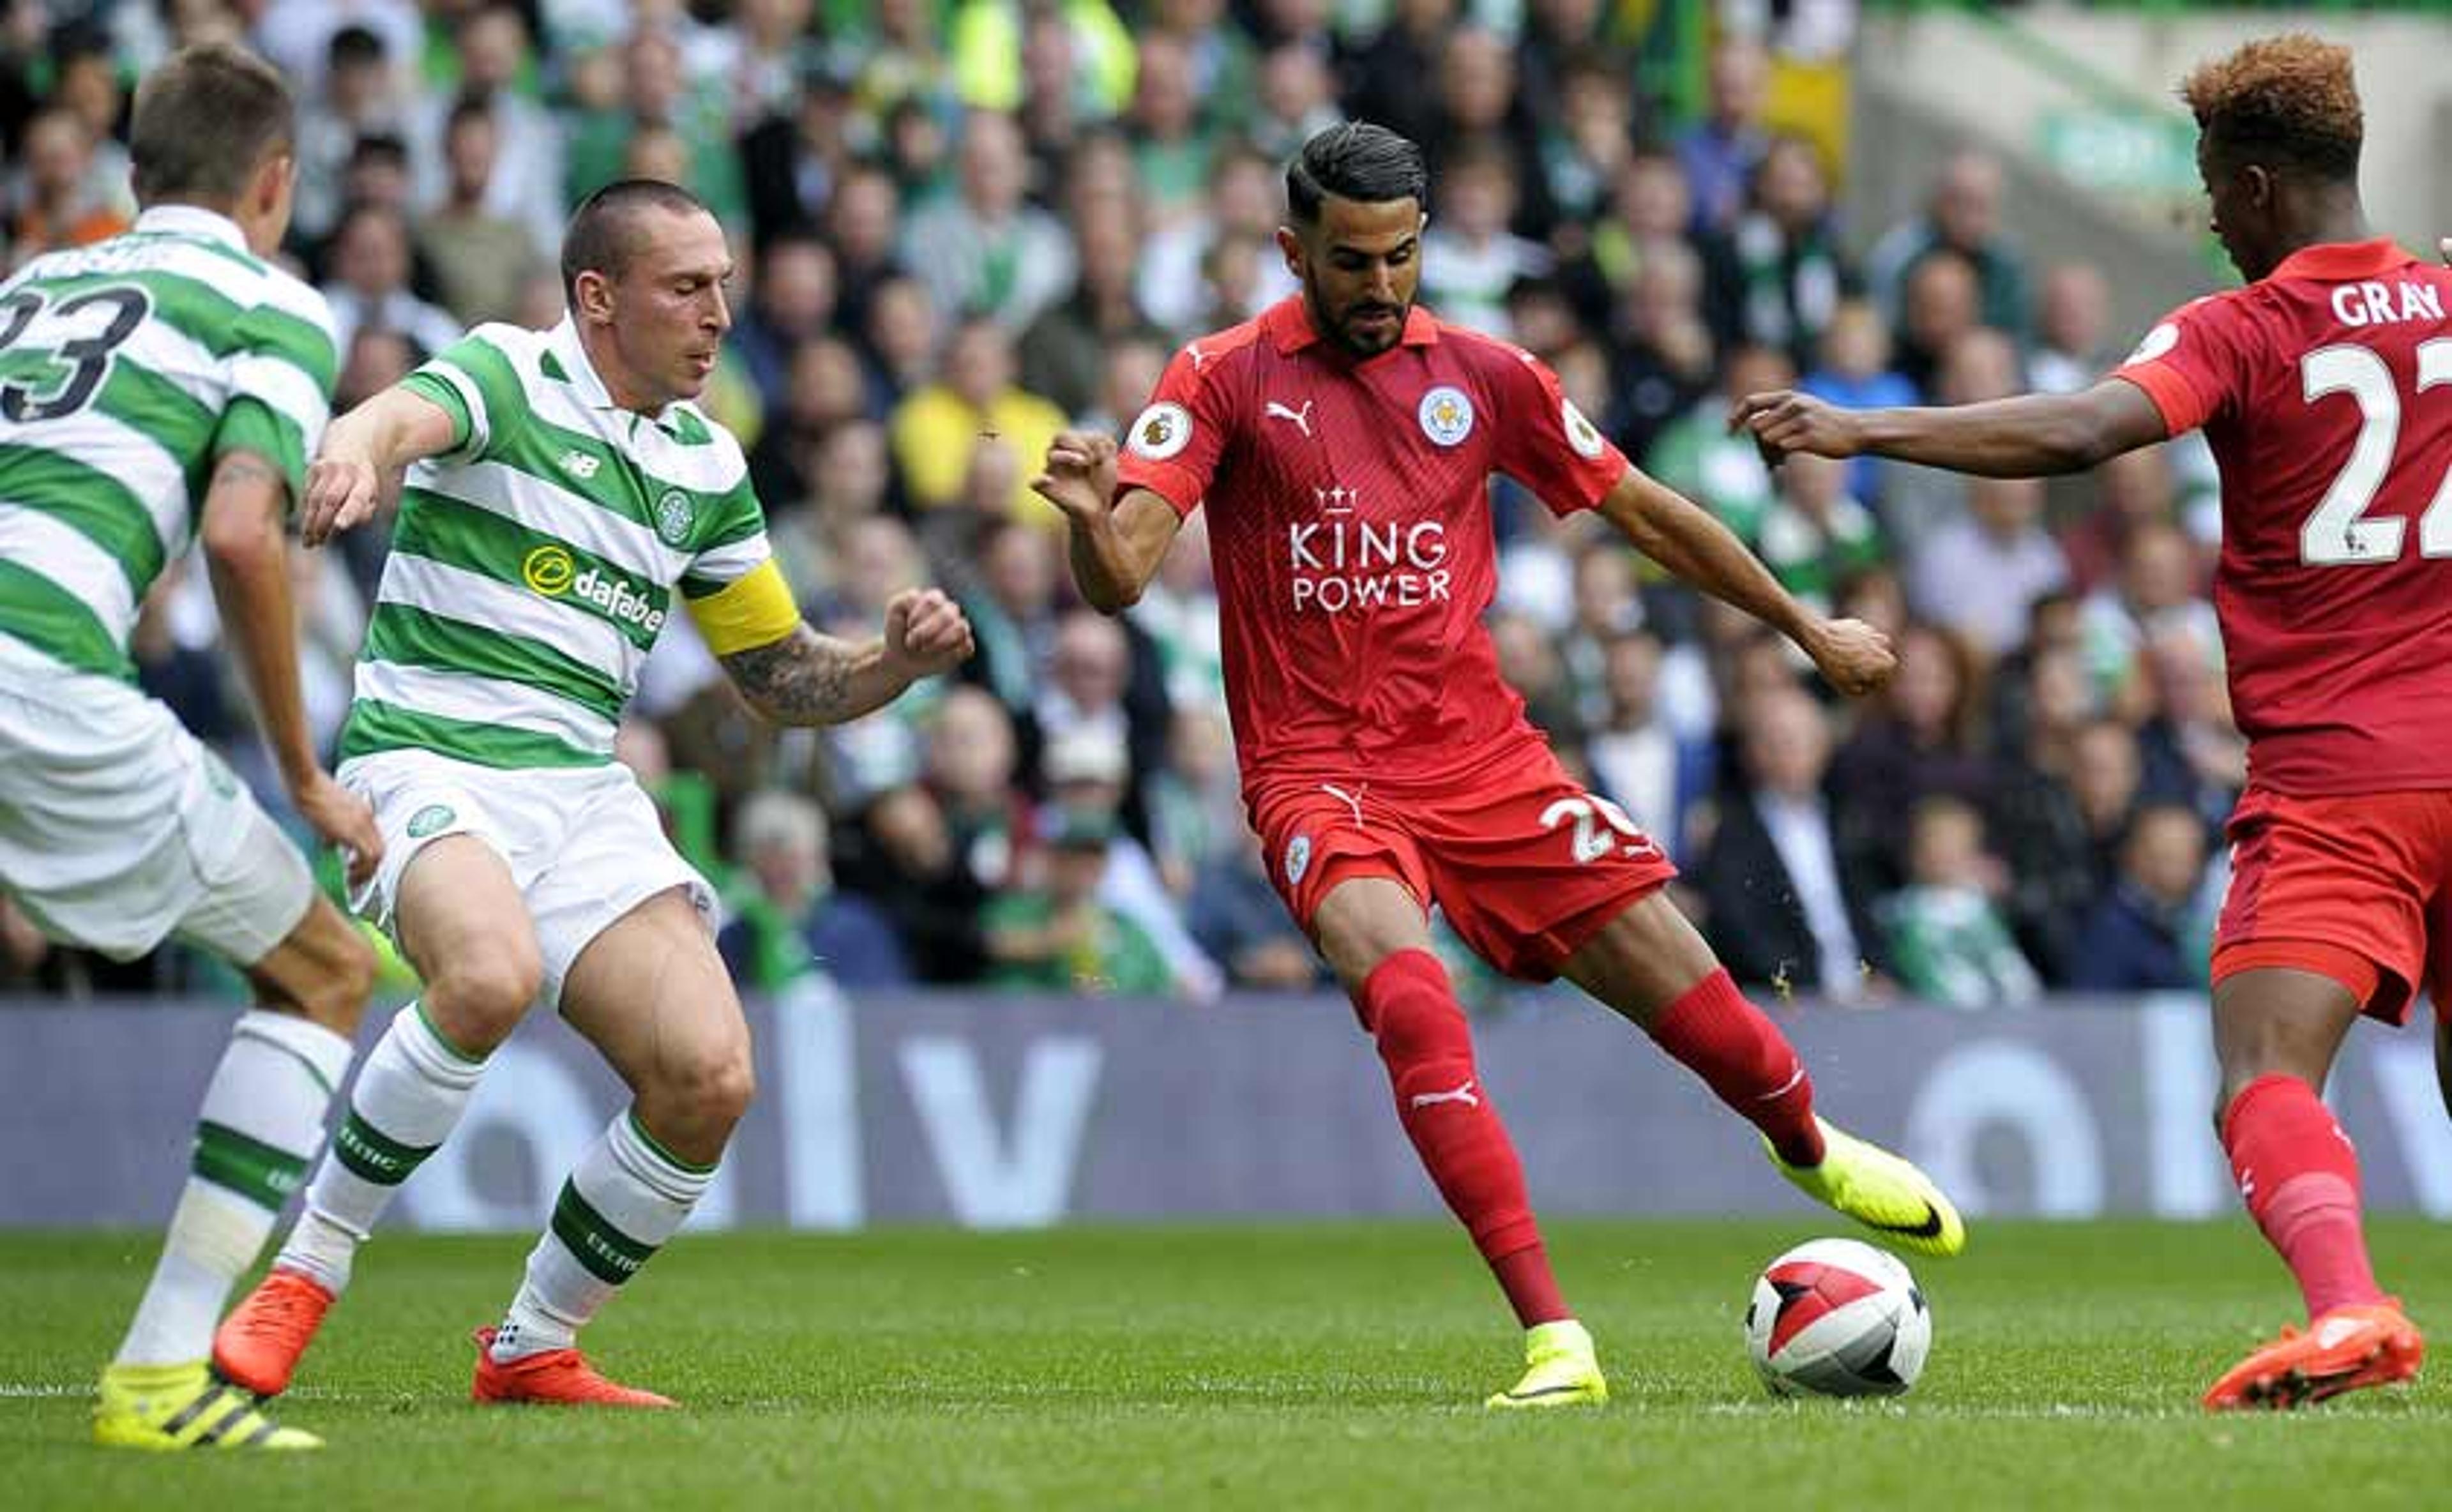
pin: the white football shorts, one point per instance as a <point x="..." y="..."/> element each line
<point x="583" y="844"/>
<point x="118" y="829"/>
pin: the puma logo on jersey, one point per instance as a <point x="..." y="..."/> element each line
<point x="1302" y="418"/>
<point x="1462" y="1095"/>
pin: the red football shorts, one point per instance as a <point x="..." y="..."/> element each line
<point x="2366" y="875"/>
<point x="1526" y="865"/>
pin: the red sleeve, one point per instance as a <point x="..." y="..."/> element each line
<point x="1173" y="445"/>
<point x="1544" y="441"/>
<point x="2192" y="364"/>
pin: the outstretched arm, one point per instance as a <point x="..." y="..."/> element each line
<point x="807" y="677"/>
<point x="2032" y="435"/>
<point x="361" y="450"/>
<point x="1678" y="533"/>
<point x="1115" y="545"/>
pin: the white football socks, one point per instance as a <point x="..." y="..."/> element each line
<point x="627" y="1196"/>
<point x="408" y="1098"/>
<point x="262" y="1119"/>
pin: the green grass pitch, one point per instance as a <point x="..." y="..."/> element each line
<point x="1262" y="1367"/>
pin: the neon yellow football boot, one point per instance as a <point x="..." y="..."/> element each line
<point x="1880" y="1190"/>
<point x="1560" y="1370"/>
<point x="184" y="1407"/>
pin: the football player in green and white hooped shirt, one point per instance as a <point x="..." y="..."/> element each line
<point x="158" y="388"/>
<point x="566" y="499"/>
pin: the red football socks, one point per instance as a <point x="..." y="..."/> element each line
<point x="1745" y="1061"/>
<point x="1412" y="1011"/>
<point x="2299" y="1175"/>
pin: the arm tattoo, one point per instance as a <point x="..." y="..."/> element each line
<point x="804" y="679"/>
<point x="245" y="467"/>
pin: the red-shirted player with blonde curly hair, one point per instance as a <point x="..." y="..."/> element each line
<point x="2325" y="387"/>
<point x="1343" y="443"/>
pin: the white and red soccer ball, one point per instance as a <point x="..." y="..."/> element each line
<point x="1836" y="1318"/>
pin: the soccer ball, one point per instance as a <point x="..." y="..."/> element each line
<point x="1836" y="1318"/>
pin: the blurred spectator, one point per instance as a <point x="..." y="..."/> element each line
<point x="1470" y="258"/>
<point x="1012" y="610"/>
<point x="2105" y="771"/>
<point x="303" y="39"/>
<point x="902" y="58"/>
<point x="863" y="219"/>
<point x="1171" y="147"/>
<point x="1723" y="472"/>
<point x="825" y="392"/>
<point x="2072" y="323"/>
<point x="1480" y="108"/>
<point x="900" y="337"/>
<point x="1604" y="606"/>
<point x="1940" y="300"/>
<point x="2155" y="593"/>
<point x="1720" y="152"/>
<point x="1815" y="534"/>
<point x="983" y="250"/>
<point x="1297" y="99"/>
<point x="1057" y="936"/>
<point x="1978" y="574"/>
<point x="527" y="185"/>
<point x="1634" y="757"/>
<point x="54" y="204"/>
<point x="985" y="38"/>
<point x="1246" y="201"/>
<point x="1664" y="359"/>
<point x="1922" y="739"/>
<point x="1962" y="216"/>
<point x="1086" y="770"/>
<point x="480" y="259"/>
<point x="2054" y="865"/>
<point x="1195" y="801"/>
<point x="1235" y="916"/>
<point x="1178" y="611"/>
<point x="904" y="859"/>
<point x="937" y="429"/>
<point x="1786" y="908"/>
<point x="1978" y="365"/>
<point x="1129" y="374"/>
<point x="1528" y="660"/>
<point x="360" y="95"/>
<point x="1586" y="143"/>
<point x="369" y="280"/>
<point x="794" y="161"/>
<point x="658" y="122"/>
<point x="1853" y="371"/>
<point x="1387" y="80"/>
<point x="792" y="305"/>
<point x="2138" y="938"/>
<point x="792" y="918"/>
<point x="1217" y="57"/>
<point x="1774" y="278"/>
<point x="1063" y="353"/>
<point x="764" y="54"/>
<point x="2122" y="496"/>
<point x="2190" y="752"/>
<point x="972" y="764"/>
<point x="87" y="82"/>
<point x="1948" y="943"/>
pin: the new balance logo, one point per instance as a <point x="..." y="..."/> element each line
<point x="1301" y="417"/>
<point x="578" y="464"/>
<point x="1462" y="1095"/>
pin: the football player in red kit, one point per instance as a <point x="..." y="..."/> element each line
<point x="2325" y="387"/>
<point x="1343" y="442"/>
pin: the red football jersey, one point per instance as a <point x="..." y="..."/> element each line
<point x="1349" y="526"/>
<point x="2325" y="390"/>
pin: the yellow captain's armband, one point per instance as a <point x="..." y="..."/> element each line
<point x="754" y="610"/>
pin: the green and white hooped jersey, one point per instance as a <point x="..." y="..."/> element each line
<point x="126" y="369"/>
<point x="533" y="565"/>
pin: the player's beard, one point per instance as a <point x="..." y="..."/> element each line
<point x="1342" y="328"/>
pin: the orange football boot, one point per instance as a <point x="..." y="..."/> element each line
<point x="555" y="1377"/>
<point x="2364" y="1345"/>
<point x="258" y="1344"/>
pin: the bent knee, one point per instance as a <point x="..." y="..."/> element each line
<point x="479" y="999"/>
<point x="712" y="1091"/>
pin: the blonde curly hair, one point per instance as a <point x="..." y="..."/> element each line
<point x="2290" y="97"/>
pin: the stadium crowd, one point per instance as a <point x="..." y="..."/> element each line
<point x="961" y="226"/>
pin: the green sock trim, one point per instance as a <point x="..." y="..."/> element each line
<point x="661" y="1153"/>
<point x="610" y="1255"/>
<point x="368" y="1153"/>
<point x="445" y="1040"/>
<point x="250" y="1168"/>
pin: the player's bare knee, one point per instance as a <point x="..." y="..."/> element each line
<point x="477" y="1000"/>
<point x="338" y="996"/>
<point x="706" y="1091"/>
